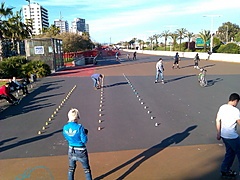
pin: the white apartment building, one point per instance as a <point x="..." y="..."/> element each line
<point x="78" y="26"/>
<point x="63" y="25"/>
<point x="87" y="28"/>
<point x="38" y="15"/>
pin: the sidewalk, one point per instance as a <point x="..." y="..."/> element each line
<point x="168" y="164"/>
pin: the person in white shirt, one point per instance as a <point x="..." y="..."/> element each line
<point x="159" y="71"/>
<point x="21" y="86"/>
<point x="228" y="117"/>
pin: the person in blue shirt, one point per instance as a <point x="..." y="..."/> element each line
<point x="76" y="135"/>
<point x="97" y="80"/>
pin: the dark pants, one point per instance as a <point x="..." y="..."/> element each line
<point x="232" y="149"/>
<point x="9" y="98"/>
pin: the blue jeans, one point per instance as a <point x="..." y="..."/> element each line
<point x="159" y="73"/>
<point x="232" y="148"/>
<point x="81" y="156"/>
<point x="95" y="82"/>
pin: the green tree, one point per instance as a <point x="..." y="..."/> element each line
<point x="189" y="35"/>
<point x="4" y="13"/>
<point x="206" y="36"/>
<point x="49" y="32"/>
<point x="165" y="34"/>
<point x="229" y="48"/>
<point x="237" y="37"/>
<point x="181" y="35"/>
<point x="174" y="37"/>
<point x="156" y="36"/>
<point x="227" y="31"/>
<point x="151" y="39"/>
<point x="17" y="31"/>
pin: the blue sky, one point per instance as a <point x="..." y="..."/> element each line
<point x="114" y="21"/>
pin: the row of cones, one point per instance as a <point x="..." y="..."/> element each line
<point x="56" y="110"/>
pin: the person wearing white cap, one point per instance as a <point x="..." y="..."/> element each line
<point x="76" y="135"/>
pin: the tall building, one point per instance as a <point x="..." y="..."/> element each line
<point x="63" y="25"/>
<point x="38" y="16"/>
<point x="87" y="28"/>
<point x="78" y="25"/>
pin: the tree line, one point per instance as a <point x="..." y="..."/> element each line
<point x="226" y="38"/>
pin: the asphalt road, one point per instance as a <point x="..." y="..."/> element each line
<point x="135" y="112"/>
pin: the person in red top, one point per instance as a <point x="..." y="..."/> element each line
<point x="5" y="94"/>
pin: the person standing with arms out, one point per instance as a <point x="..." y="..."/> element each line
<point x="135" y="55"/>
<point x="176" y="61"/>
<point x="196" y="60"/>
<point x="228" y="117"/>
<point x="97" y="80"/>
<point x="76" y="135"/>
<point x="159" y="71"/>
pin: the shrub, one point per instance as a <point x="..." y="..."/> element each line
<point x="19" y="67"/>
<point x="231" y="48"/>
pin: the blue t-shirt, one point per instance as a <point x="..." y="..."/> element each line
<point x="96" y="76"/>
<point x="75" y="134"/>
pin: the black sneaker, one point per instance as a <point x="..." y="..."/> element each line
<point x="229" y="174"/>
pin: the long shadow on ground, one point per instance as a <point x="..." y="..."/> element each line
<point x="144" y="156"/>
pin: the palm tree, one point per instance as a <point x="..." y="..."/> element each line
<point x="181" y="35"/>
<point x="189" y="35"/>
<point x="156" y="36"/>
<point x="151" y="38"/>
<point x="141" y="43"/>
<point x="4" y="12"/>
<point x="18" y="31"/>
<point x="174" y="37"/>
<point x="206" y="36"/>
<point x="165" y="34"/>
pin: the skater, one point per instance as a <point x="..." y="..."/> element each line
<point x="21" y="86"/>
<point x="159" y="71"/>
<point x="128" y="56"/>
<point x="228" y="117"/>
<point x="196" y="60"/>
<point x="135" y="55"/>
<point x="97" y="80"/>
<point x="76" y="135"/>
<point x="176" y="61"/>
<point x="116" y="55"/>
<point x="5" y="94"/>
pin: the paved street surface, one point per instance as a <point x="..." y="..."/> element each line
<point x="148" y="131"/>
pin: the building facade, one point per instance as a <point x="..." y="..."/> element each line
<point x="38" y="16"/>
<point x="78" y="25"/>
<point x="63" y="25"/>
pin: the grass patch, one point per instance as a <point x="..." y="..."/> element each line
<point x="2" y="83"/>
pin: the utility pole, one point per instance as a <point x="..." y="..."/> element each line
<point x="211" y="31"/>
<point x="227" y="34"/>
<point x="30" y="19"/>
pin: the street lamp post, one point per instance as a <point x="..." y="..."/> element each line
<point x="227" y="34"/>
<point x="211" y="31"/>
<point x="30" y="19"/>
